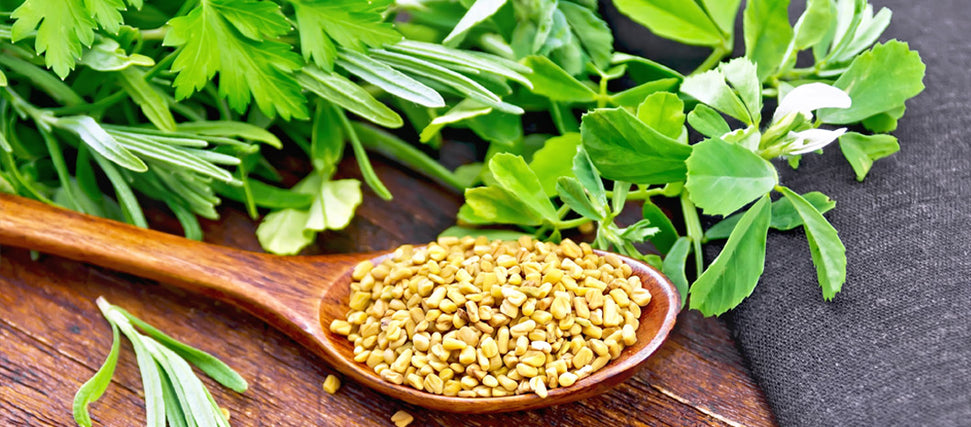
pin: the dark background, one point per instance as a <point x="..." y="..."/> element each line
<point x="894" y="347"/>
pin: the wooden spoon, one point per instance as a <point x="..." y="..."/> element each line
<point x="298" y="295"/>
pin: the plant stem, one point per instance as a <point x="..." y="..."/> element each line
<point x="155" y="34"/>
<point x="573" y="223"/>
<point x="692" y="225"/>
<point x="716" y="56"/>
<point x="642" y="194"/>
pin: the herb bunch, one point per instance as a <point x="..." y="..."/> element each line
<point x="638" y="139"/>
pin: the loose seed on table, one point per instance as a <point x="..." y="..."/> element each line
<point x="473" y="318"/>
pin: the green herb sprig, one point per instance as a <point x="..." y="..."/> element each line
<point x="174" y="395"/>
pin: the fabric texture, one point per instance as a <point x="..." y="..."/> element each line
<point x="894" y="347"/>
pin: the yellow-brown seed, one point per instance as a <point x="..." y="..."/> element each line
<point x="331" y="384"/>
<point x="402" y="419"/>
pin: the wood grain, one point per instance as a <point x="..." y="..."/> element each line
<point x="54" y="339"/>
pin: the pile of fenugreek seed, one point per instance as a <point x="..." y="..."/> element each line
<point x="474" y="318"/>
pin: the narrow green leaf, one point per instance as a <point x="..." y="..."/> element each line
<point x="683" y="21"/>
<point x="663" y="112"/>
<point x="623" y="148"/>
<point x="92" y="389"/>
<point x="572" y="193"/>
<point x="231" y="129"/>
<point x="553" y="82"/>
<point x="152" y="101"/>
<point x="326" y="138"/>
<point x="828" y="252"/>
<point x="481" y="61"/>
<point x="345" y="93"/>
<point x="101" y="142"/>
<point x="555" y="160"/>
<point x="732" y="276"/>
<point x="877" y="81"/>
<point x="363" y="162"/>
<point x="464" y="110"/>
<point x="673" y="266"/>
<point x="724" y="177"/>
<point x="130" y="207"/>
<point x="181" y="159"/>
<point x="266" y="196"/>
<point x="862" y="150"/>
<point x="642" y="70"/>
<point x="480" y="11"/>
<point x="767" y="34"/>
<point x="784" y="216"/>
<point x="389" y="79"/>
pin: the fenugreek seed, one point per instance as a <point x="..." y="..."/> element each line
<point x="570" y="249"/>
<point x="560" y="307"/>
<point x="446" y="374"/>
<point x="448" y="306"/>
<point x="467" y="393"/>
<point x="451" y="388"/>
<point x="582" y="357"/>
<point x="402" y="361"/>
<point x="522" y="344"/>
<point x="391" y="376"/>
<point x="599" y="347"/>
<point x="433" y="383"/>
<point x="340" y="327"/>
<point x="331" y="384"/>
<point x="539" y="387"/>
<point x="629" y="334"/>
<point x="541" y="317"/>
<point x="620" y="297"/>
<point x="402" y="419"/>
<point x="526" y="371"/>
<point x="641" y="296"/>
<point x="469" y="382"/>
<point x="599" y="362"/>
<point x="507" y="383"/>
<point x="361" y="270"/>
<point x="489" y="347"/>
<point x="490" y="381"/>
<point x="541" y="346"/>
<point x="499" y="392"/>
<point x="420" y="341"/>
<point x="467" y="356"/>
<point x="533" y="358"/>
<point x="522" y="328"/>
<point x="567" y="379"/>
<point x="415" y="381"/>
<point x="359" y="300"/>
<point x="453" y="344"/>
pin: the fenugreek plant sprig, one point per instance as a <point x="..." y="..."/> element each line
<point x="174" y="395"/>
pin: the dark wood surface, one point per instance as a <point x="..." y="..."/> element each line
<point x="53" y="338"/>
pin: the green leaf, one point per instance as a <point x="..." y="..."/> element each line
<point x="666" y="235"/>
<point x="732" y="276"/>
<point x="586" y="173"/>
<point x="710" y="88"/>
<point x="464" y="110"/>
<point x="862" y="150"/>
<point x="553" y="82"/>
<point x="326" y="138"/>
<point x="514" y="176"/>
<point x="592" y="31"/>
<point x="784" y="216"/>
<point x="389" y="79"/>
<point x="480" y="61"/>
<point x="767" y="34"/>
<point x="345" y="93"/>
<point x="884" y="122"/>
<point x="642" y="70"/>
<point x="673" y="266"/>
<point x="225" y="128"/>
<point x="153" y="101"/>
<point x="493" y="204"/>
<point x="683" y="21"/>
<point x="349" y="23"/>
<point x="235" y="38"/>
<point x="723" y="12"/>
<point x="724" y="177"/>
<point x="265" y="195"/>
<point x="623" y="148"/>
<point x="878" y="81"/>
<point x="555" y="160"/>
<point x="708" y="122"/>
<point x="635" y="95"/>
<point x="458" y="231"/>
<point x="92" y="389"/>
<point x="107" y="55"/>
<point x="96" y="138"/>
<point x="828" y="252"/>
<point x="742" y="75"/>
<point x="498" y="127"/>
<point x="334" y="204"/>
<point x="813" y="24"/>
<point x="663" y="112"/>
<point x="63" y="26"/>
<point x="284" y="232"/>
<point x="480" y="11"/>
<point x="572" y="193"/>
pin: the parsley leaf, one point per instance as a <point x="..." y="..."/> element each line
<point x="63" y="26"/>
<point x="235" y="39"/>
<point x="352" y="24"/>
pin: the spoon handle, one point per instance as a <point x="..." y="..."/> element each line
<point x="226" y="274"/>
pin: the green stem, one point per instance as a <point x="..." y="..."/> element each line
<point x="562" y="211"/>
<point x="398" y="150"/>
<point x="363" y="162"/>
<point x="642" y="194"/>
<point x="716" y="56"/>
<point x="692" y="225"/>
<point x="573" y="223"/>
<point x="99" y="105"/>
<point x="155" y="34"/>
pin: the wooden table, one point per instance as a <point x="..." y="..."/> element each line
<point x="53" y="338"/>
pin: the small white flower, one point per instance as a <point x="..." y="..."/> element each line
<point x="810" y="97"/>
<point x="812" y="139"/>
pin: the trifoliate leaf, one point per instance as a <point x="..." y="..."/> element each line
<point x="711" y="88"/>
<point x="862" y="150"/>
<point x="554" y="160"/>
<point x="623" y="148"/>
<point x="352" y="24"/>
<point x="877" y="81"/>
<point x="735" y="272"/>
<point x="236" y="38"/>
<point x="784" y="216"/>
<point x="828" y="252"/>
<point x="513" y="175"/>
<point x="724" y="177"/>
<point x="573" y="194"/>
<point x="663" y="112"/>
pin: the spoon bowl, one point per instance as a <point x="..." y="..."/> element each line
<point x="298" y="295"/>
